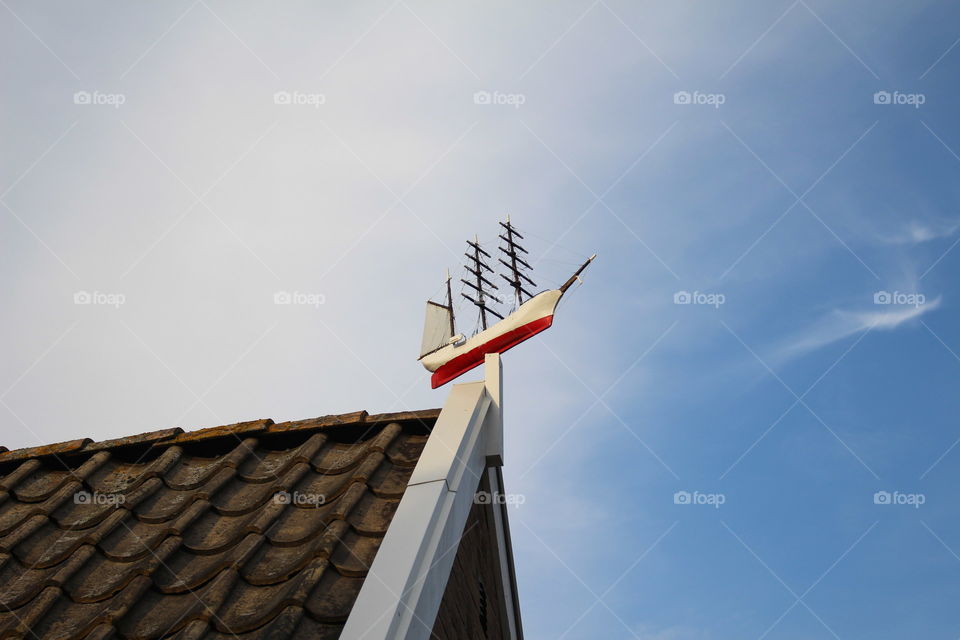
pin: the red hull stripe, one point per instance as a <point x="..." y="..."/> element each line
<point x="473" y="358"/>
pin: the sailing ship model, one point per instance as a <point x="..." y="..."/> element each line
<point x="448" y="353"/>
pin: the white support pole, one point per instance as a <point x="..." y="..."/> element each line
<point x="493" y="380"/>
<point x="402" y="591"/>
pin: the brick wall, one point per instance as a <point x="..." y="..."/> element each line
<point x="473" y="604"/>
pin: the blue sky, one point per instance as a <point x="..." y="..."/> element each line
<point x="196" y="197"/>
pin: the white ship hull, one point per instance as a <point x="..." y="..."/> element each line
<point x="532" y="317"/>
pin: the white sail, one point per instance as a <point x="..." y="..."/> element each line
<point x="436" y="328"/>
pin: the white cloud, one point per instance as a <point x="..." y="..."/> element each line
<point x="918" y="232"/>
<point x="839" y="324"/>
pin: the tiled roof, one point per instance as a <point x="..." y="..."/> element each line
<point x="207" y="534"/>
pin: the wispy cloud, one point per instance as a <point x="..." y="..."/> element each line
<point x="841" y="323"/>
<point x="918" y="232"/>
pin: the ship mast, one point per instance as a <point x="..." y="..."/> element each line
<point x="453" y="330"/>
<point x="478" y="285"/>
<point x="516" y="262"/>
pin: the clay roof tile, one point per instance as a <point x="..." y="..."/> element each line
<point x="250" y="530"/>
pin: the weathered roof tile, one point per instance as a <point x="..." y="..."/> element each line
<point x="139" y="439"/>
<point x="425" y="417"/>
<point x="332" y="600"/>
<point x="21" y="621"/>
<point x="405" y="452"/>
<point x="310" y="628"/>
<point x="323" y="421"/>
<point x="187" y="571"/>
<point x="196" y="470"/>
<point x="101" y="579"/>
<point x="373" y="514"/>
<point x="270" y="465"/>
<point x="227" y="431"/>
<point x="19" y="473"/>
<point x="273" y="563"/>
<point x="121" y="477"/>
<point x="253" y="606"/>
<point x="25" y="582"/>
<point x="157" y="614"/>
<point x="49" y="545"/>
<point x="354" y="557"/>
<point x="240" y="497"/>
<point x="251" y="531"/>
<point x="44" y="451"/>
<point x="281" y="627"/>
<point x="167" y="502"/>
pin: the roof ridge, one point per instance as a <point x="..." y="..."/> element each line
<point x="177" y="435"/>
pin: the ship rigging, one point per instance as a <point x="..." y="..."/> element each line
<point x="449" y="354"/>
